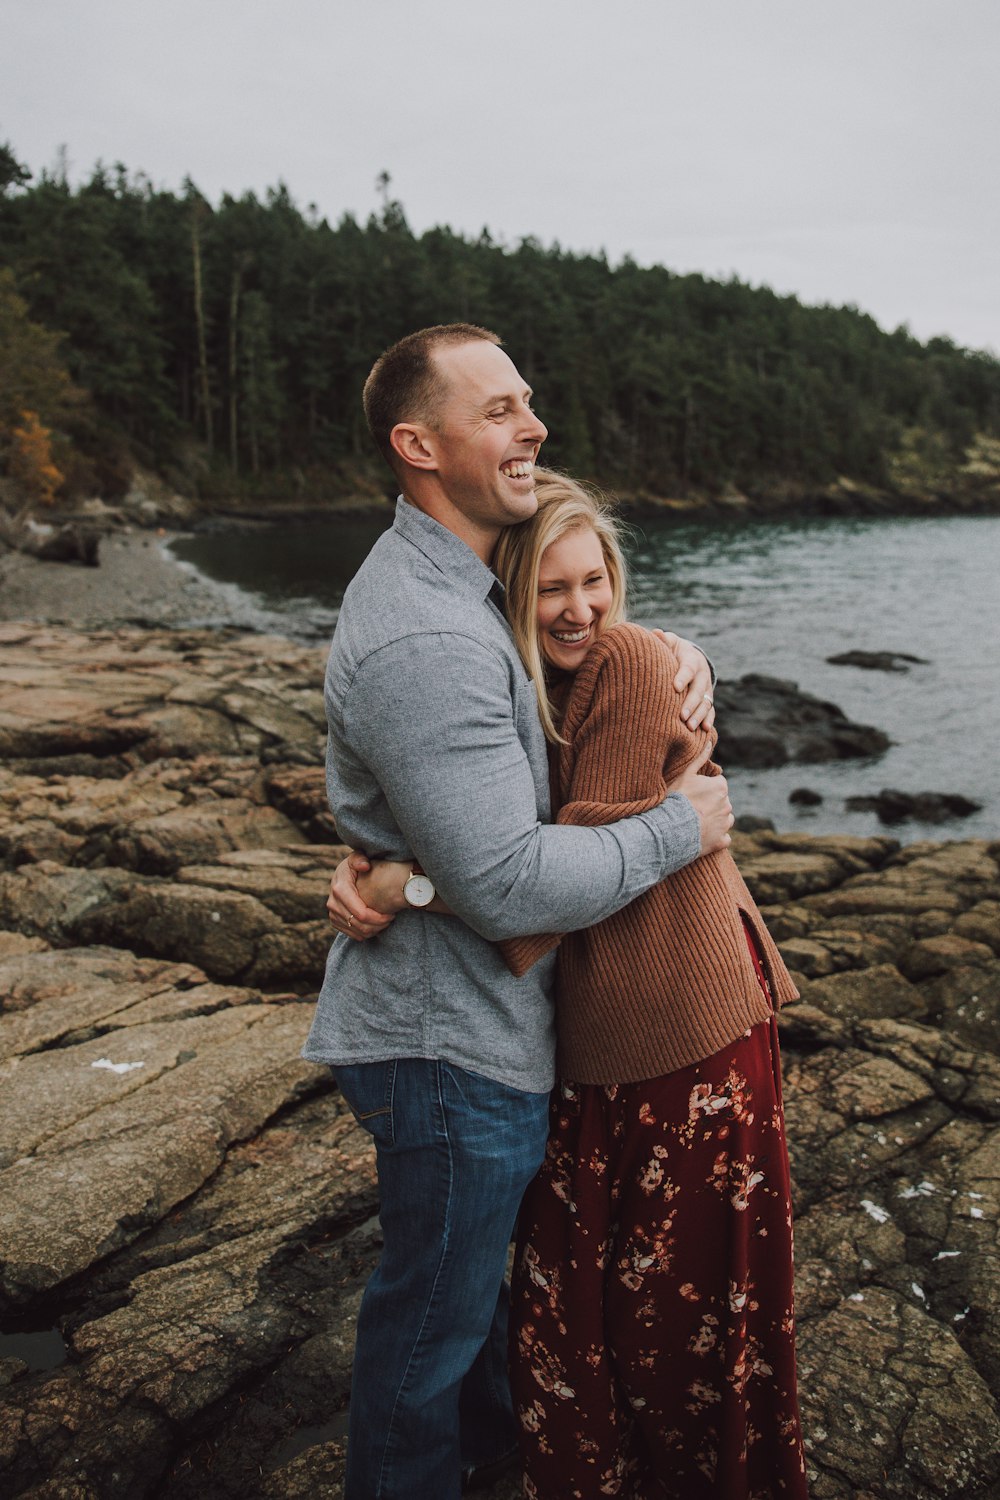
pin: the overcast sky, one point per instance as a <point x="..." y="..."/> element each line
<point x="844" y="150"/>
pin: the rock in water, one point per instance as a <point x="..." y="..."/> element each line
<point x="892" y="806"/>
<point x="878" y="661"/>
<point x="753" y="823"/>
<point x="767" y="721"/>
<point x="804" y="796"/>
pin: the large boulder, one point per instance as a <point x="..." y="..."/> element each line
<point x="103" y="1138"/>
<point x="768" y="721"/>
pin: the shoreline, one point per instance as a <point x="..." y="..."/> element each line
<point x="840" y="501"/>
<point x="140" y="584"/>
<point x="137" y="582"/>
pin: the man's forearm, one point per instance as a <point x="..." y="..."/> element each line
<point x="448" y="760"/>
<point x="564" y="878"/>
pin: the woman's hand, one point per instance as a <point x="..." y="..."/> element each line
<point x="709" y="796"/>
<point x="364" y="898"/>
<point x="694" y="678"/>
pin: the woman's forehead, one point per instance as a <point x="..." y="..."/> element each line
<point x="580" y="547"/>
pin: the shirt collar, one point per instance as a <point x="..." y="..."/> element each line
<point x="445" y="550"/>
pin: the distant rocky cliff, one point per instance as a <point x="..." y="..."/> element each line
<point x="188" y="1207"/>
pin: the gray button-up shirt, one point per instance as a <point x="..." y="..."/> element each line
<point x="436" y="753"/>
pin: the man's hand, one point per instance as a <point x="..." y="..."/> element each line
<point x="694" y="678"/>
<point x="709" y="796"/>
<point x="348" y="912"/>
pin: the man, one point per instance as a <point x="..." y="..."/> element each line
<point x="436" y="755"/>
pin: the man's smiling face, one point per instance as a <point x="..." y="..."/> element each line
<point x="485" y="435"/>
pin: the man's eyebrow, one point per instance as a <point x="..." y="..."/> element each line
<point x="502" y="400"/>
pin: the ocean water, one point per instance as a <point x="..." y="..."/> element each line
<point x="773" y="597"/>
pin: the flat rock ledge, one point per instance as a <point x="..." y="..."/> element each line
<point x="188" y="1208"/>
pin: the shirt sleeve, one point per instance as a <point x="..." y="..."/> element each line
<point x="432" y="718"/>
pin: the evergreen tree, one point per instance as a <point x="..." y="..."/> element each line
<point x="233" y="340"/>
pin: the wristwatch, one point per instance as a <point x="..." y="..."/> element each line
<point x="419" y="888"/>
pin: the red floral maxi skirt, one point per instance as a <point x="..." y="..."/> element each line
<point x="652" y="1330"/>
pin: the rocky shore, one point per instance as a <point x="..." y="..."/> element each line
<point x="189" y="1211"/>
<point x="137" y="581"/>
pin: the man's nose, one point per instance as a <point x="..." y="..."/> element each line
<point x="535" y="430"/>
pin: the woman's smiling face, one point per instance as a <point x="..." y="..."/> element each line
<point x="574" y="595"/>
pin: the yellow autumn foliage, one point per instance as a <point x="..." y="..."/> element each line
<point x="29" y="461"/>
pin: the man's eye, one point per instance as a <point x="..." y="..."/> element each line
<point x="501" y="411"/>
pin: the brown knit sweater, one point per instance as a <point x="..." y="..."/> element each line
<point x="668" y="980"/>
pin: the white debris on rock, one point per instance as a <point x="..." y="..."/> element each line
<point x="922" y="1190"/>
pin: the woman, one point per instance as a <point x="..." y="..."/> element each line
<point x="652" y="1327"/>
<point x="652" y="1342"/>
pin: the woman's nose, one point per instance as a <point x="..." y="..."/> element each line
<point x="577" y="609"/>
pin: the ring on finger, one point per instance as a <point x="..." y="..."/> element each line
<point x="350" y="923"/>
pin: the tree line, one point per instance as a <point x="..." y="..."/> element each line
<point x="226" y="345"/>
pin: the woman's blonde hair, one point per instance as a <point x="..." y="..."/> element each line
<point x="564" y="505"/>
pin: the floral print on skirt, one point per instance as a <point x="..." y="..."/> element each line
<point x="652" y="1329"/>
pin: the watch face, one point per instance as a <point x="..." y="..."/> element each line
<point x="419" y="890"/>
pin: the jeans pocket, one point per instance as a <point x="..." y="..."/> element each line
<point x="367" y="1089"/>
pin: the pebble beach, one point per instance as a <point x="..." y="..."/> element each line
<point x="137" y="582"/>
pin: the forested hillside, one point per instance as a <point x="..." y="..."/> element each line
<point x="225" y="346"/>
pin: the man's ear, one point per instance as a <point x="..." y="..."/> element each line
<point x="414" y="444"/>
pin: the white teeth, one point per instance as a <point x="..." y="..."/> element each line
<point x="518" y="469"/>
<point x="571" y="637"/>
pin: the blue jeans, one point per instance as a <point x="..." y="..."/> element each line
<point x="429" y="1394"/>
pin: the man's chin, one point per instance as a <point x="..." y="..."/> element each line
<point x="523" y="506"/>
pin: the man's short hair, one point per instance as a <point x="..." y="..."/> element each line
<point x="405" y="385"/>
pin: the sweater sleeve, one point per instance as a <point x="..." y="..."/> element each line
<point x="625" y="739"/>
